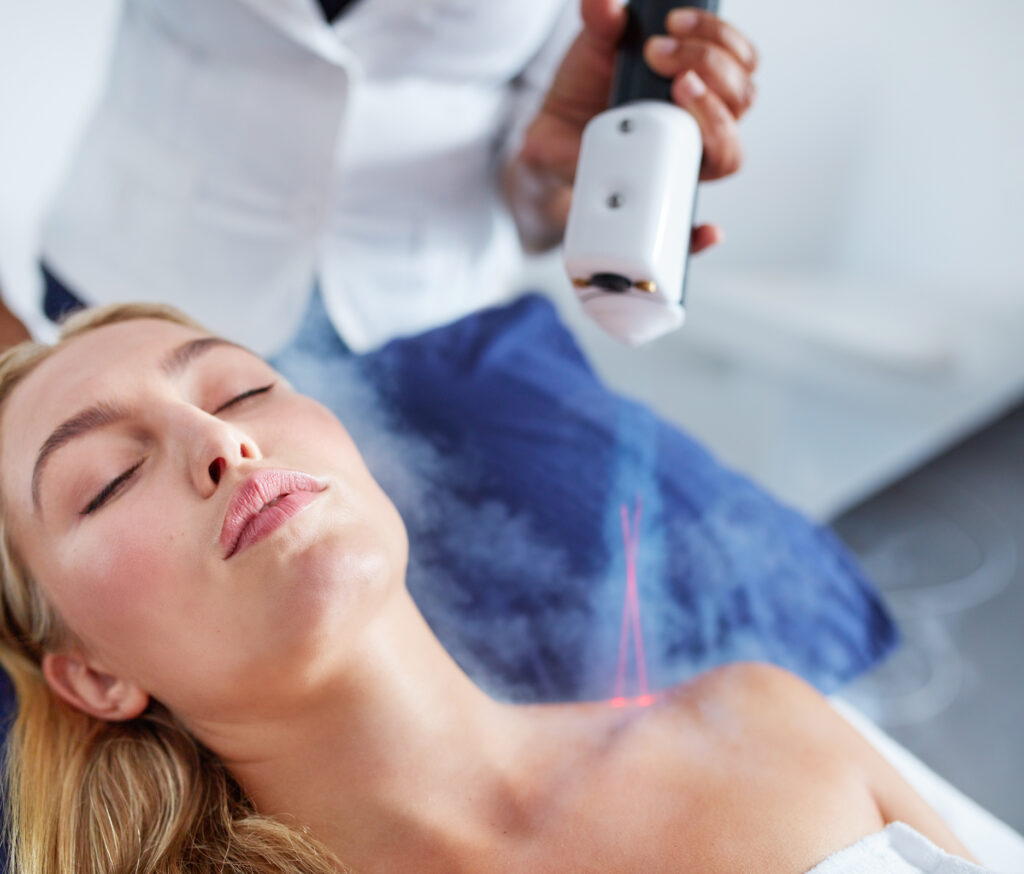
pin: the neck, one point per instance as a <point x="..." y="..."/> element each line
<point x="401" y="743"/>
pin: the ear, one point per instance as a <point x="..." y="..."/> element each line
<point x="91" y="690"/>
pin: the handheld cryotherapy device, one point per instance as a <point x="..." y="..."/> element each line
<point x="627" y="240"/>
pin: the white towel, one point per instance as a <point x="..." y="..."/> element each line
<point x="897" y="849"/>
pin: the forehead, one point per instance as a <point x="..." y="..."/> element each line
<point x="93" y="366"/>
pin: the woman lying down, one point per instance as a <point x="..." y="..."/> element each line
<point x="219" y="668"/>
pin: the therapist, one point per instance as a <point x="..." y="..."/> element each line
<point x="396" y="154"/>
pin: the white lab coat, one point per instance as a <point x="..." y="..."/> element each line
<point x="244" y="149"/>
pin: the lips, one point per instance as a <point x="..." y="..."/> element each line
<point x="263" y="502"/>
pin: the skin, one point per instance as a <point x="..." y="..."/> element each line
<point x="711" y="65"/>
<point x="305" y="665"/>
<point x="12" y="330"/>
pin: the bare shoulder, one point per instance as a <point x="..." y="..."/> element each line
<point x="788" y="719"/>
<point x="766" y="710"/>
<point x="757" y="686"/>
<point x="763" y="755"/>
<point x="755" y="677"/>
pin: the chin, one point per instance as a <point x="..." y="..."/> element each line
<point x="340" y="580"/>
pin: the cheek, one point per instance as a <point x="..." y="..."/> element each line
<point x="117" y="585"/>
<point x="109" y="591"/>
<point x="320" y="428"/>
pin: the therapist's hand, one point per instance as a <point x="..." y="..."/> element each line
<point x="710" y="64"/>
<point x="11" y="328"/>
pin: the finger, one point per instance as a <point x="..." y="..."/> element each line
<point x="604" y="21"/>
<point x="704" y="237"/>
<point x="685" y="23"/>
<point x="552" y="148"/>
<point x="719" y="69"/>
<point x="723" y="154"/>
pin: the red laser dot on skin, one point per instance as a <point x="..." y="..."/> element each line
<point x="631" y="615"/>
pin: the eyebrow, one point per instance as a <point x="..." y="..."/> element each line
<point x="105" y="413"/>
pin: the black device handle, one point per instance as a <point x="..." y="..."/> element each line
<point x="633" y="79"/>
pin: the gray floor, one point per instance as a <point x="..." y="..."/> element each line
<point x="946" y="546"/>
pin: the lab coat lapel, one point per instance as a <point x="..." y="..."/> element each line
<point x="303" y="21"/>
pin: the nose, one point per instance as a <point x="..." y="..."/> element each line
<point x="213" y="447"/>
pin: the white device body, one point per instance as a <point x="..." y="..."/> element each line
<point x="631" y="217"/>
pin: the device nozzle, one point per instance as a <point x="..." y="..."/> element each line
<point x="615" y="282"/>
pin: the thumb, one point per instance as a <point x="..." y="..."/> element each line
<point x="604" y="20"/>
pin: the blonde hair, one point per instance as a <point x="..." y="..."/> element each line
<point x="95" y="797"/>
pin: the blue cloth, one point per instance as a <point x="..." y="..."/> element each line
<point x="512" y="465"/>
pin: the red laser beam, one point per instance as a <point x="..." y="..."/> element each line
<point x="631" y="614"/>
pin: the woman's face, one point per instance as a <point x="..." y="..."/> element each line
<point x="120" y="456"/>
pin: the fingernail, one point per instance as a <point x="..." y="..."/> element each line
<point x="691" y="86"/>
<point x="682" y="20"/>
<point x="663" y="46"/>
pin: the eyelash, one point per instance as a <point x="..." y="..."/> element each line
<point x="110" y="489"/>
<point x="114" y="486"/>
<point x="243" y="396"/>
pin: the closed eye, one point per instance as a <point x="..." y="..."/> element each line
<point x="114" y="486"/>
<point x="110" y="489"/>
<point x="243" y="396"/>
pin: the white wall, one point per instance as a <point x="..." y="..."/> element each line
<point x="886" y="141"/>
<point x="52" y="60"/>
